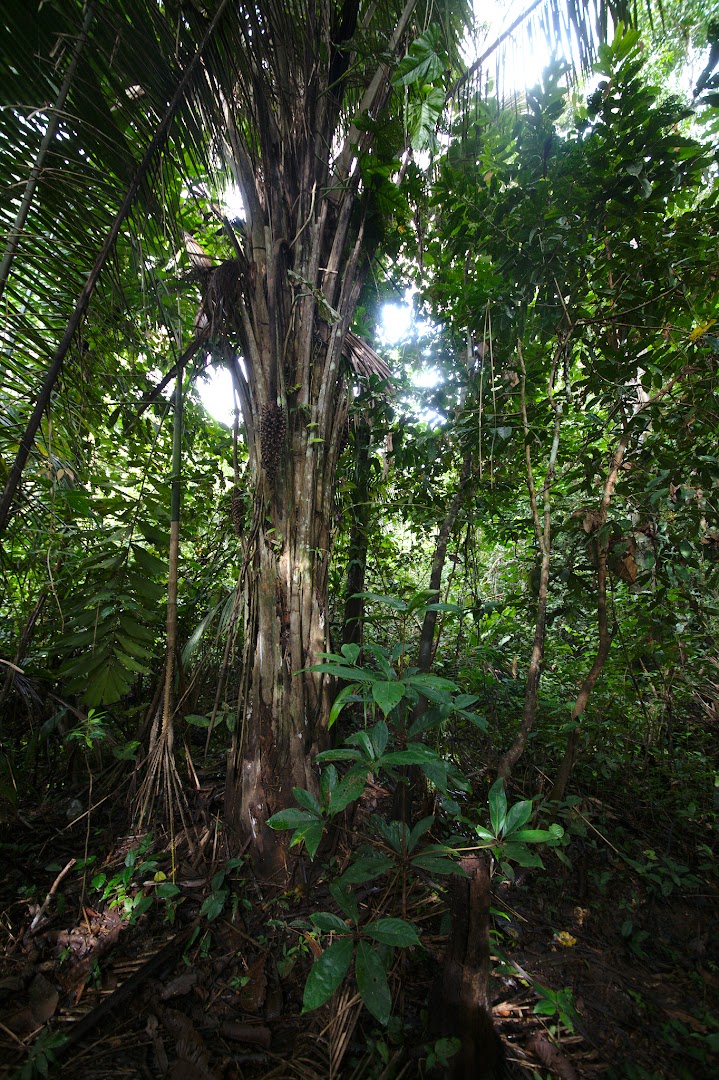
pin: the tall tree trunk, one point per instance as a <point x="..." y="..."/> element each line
<point x="284" y="710"/>
<point x="290" y="295"/>
<point x="352" y="623"/>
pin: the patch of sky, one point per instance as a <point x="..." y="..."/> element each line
<point x="217" y="394"/>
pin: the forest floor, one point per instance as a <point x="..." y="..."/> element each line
<point x="208" y="983"/>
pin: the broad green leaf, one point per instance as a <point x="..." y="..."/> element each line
<point x="349" y="789"/>
<point x="345" y="899"/>
<point x="351" y="652"/>
<point x="420" y="600"/>
<point x="346" y="694"/>
<point x="391" y="831"/>
<point x="379" y="735"/>
<point x="366" y="868"/>
<point x="290" y="818"/>
<point x="372" y="982"/>
<point x="325" y="920"/>
<point x="328" y="783"/>
<point x="463" y="701"/>
<point x="438" y="864"/>
<point x="310" y="835"/>
<point x="197" y="721"/>
<point x="167" y="890"/>
<point x="388" y="695"/>
<point x="485" y="834"/>
<point x="339" y="755"/>
<point x="362" y="738"/>
<point x="213" y="905"/>
<point x="437" y="772"/>
<point x="531" y="836"/>
<point x="418" y="831"/>
<point x="424" y="63"/>
<point x="478" y="721"/>
<point x="340" y="671"/>
<point x="307" y="800"/>
<point x="392" y="932"/>
<point x="521" y="854"/>
<point x="131" y="664"/>
<point x="517" y="815"/>
<point x="327" y="974"/>
<point x="149" y="563"/>
<point x="388" y="601"/>
<point x="415" y="754"/>
<point x="497" y="806"/>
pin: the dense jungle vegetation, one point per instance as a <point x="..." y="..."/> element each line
<point x="373" y="732"/>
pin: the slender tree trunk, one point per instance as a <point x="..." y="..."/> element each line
<point x="605" y="642"/>
<point x="425" y="653"/>
<point x="543" y="532"/>
<point x="410" y="776"/>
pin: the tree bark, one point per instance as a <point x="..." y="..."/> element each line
<point x="284" y="709"/>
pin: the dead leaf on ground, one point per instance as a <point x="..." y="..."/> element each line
<point x="43" y="999"/>
<point x="552" y="1058"/>
<point x="252" y="994"/>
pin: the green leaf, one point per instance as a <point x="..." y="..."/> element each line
<point x="532" y="836"/>
<point x="327" y="974"/>
<point x="521" y="854"/>
<point x="349" y="789"/>
<point x="290" y="818"/>
<point x="423" y="63"/>
<point x="310" y="835"/>
<point x="197" y="721"/>
<point x="418" y="831"/>
<point x="392" y="932"/>
<point x="339" y="755"/>
<point x="420" y="600"/>
<point x="485" y="834"/>
<point x="365" y="869"/>
<point x="379" y="736"/>
<point x="423" y="116"/>
<point x="307" y="799"/>
<point x="388" y="695"/>
<point x="372" y="982"/>
<point x="388" y="601"/>
<point x="345" y="900"/>
<point x="214" y="904"/>
<point x="438" y="864"/>
<point x="415" y="754"/>
<point x="362" y="738"/>
<point x="328" y="783"/>
<point x="497" y="806"/>
<point x="167" y="890"/>
<point x="325" y="920"/>
<point x="351" y="652"/>
<point x="517" y="815"/>
<point x="346" y="694"/>
<point x="340" y="671"/>
<point x="149" y="563"/>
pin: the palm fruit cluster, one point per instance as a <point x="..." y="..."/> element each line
<point x="272" y="437"/>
